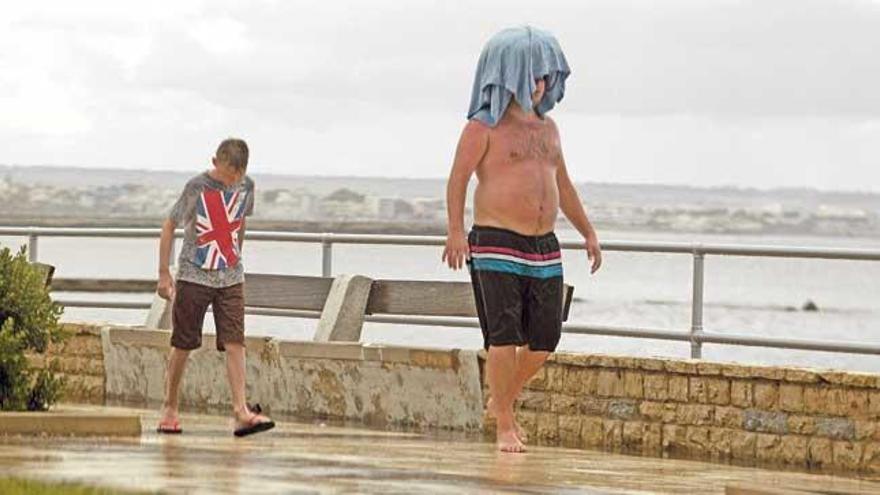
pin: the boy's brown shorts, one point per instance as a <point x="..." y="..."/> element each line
<point x="188" y="314"/>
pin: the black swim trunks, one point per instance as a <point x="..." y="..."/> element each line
<point x="518" y="287"/>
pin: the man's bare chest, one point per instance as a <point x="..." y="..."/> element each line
<point x="516" y="147"/>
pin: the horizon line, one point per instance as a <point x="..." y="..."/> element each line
<point x="733" y="187"/>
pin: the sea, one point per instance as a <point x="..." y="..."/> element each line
<point x="750" y="296"/>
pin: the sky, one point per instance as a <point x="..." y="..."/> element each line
<point x="762" y="93"/>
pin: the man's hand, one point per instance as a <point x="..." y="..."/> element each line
<point x="165" y="288"/>
<point x="594" y="252"/>
<point x="456" y="251"/>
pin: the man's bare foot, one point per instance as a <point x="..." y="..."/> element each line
<point x="520" y="433"/>
<point x="509" y="442"/>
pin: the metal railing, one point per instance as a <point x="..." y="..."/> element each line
<point x="696" y="335"/>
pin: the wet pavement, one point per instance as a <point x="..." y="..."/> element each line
<point x="316" y="458"/>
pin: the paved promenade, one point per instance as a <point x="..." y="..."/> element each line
<point x="315" y="458"/>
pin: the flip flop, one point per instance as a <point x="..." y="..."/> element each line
<point x="169" y="428"/>
<point x="254" y="427"/>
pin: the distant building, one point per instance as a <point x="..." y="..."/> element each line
<point x="286" y="204"/>
<point x="430" y="209"/>
<point x="393" y="209"/>
<point x="344" y="204"/>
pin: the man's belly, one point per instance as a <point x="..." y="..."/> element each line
<point x="526" y="209"/>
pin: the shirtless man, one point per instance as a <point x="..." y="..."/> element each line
<point x="511" y="252"/>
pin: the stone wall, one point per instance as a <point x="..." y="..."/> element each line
<point x="378" y="385"/>
<point x="705" y="410"/>
<point x="80" y="362"/>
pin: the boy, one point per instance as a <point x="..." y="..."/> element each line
<point x="512" y="253"/>
<point x="212" y="210"/>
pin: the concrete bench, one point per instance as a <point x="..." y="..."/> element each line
<point x="345" y="300"/>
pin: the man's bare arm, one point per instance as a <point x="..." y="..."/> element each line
<point x="571" y="205"/>
<point x="472" y="147"/>
<point x="165" y="286"/>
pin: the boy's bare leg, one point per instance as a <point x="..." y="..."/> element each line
<point x="500" y="371"/>
<point x="235" y="372"/>
<point x="173" y="375"/>
<point x="528" y="363"/>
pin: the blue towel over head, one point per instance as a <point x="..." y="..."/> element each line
<point x="510" y="63"/>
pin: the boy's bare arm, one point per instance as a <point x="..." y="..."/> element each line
<point x="472" y="147"/>
<point x="165" y="288"/>
<point x="570" y="203"/>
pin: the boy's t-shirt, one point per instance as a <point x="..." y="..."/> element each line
<point x="211" y="215"/>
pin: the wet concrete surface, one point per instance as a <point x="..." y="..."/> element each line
<point x="316" y="458"/>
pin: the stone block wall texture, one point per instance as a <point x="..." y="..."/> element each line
<point x="704" y="410"/>
<point x="80" y="362"/>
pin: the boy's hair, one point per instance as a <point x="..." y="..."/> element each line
<point x="234" y="152"/>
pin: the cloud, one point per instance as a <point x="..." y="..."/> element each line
<point x="365" y="86"/>
<point x="786" y="57"/>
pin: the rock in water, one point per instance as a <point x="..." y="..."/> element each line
<point x="810" y="306"/>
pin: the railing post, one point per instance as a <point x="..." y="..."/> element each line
<point x="697" y="305"/>
<point x="32" y="248"/>
<point x="326" y="256"/>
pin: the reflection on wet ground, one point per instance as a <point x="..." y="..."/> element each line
<point x="315" y="458"/>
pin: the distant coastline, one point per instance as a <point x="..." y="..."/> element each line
<point x="61" y="196"/>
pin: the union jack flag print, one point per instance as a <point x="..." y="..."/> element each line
<point x="218" y="220"/>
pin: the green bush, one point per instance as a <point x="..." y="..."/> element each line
<point x="28" y="324"/>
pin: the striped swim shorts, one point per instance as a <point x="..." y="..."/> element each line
<point x="518" y="287"/>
